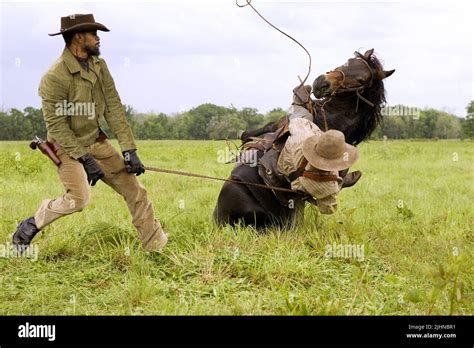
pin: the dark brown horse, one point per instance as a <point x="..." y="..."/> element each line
<point x="351" y="97"/>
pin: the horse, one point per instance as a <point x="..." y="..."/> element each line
<point x="349" y="99"/>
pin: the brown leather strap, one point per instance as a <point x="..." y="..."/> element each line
<point x="303" y="164"/>
<point x="319" y="177"/>
<point x="257" y="146"/>
<point x="310" y="175"/>
<point x="298" y="172"/>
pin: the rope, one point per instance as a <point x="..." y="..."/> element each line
<point x="323" y="111"/>
<point x="177" y="172"/>
<point x="249" y="3"/>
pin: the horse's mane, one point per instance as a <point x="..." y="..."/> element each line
<point x="368" y="117"/>
<point x="372" y="116"/>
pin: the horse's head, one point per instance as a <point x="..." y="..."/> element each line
<point x="356" y="75"/>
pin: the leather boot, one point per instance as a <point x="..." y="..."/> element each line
<point x="351" y="178"/>
<point x="24" y="233"/>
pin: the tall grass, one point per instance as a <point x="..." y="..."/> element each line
<point x="412" y="212"/>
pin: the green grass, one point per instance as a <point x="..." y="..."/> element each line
<point x="412" y="211"/>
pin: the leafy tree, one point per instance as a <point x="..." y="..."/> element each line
<point x="428" y="119"/>
<point x="468" y="122"/>
<point x="209" y="121"/>
<point x="155" y="127"/>
<point x="273" y="116"/>
<point x="35" y="117"/>
<point x="225" y="127"/>
<point x="250" y="117"/>
<point x="197" y="119"/>
<point x="430" y="124"/>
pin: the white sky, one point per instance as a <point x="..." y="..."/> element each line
<point x="170" y="56"/>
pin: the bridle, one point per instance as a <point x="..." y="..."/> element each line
<point x="358" y="89"/>
<point x="343" y="89"/>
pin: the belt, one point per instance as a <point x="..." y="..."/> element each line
<point x="310" y="175"/>
<point x="319" y="177"/>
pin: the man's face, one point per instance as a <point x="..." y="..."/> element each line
<point x="91" y="43"/>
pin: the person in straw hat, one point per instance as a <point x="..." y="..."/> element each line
<point x="311" y="160"/>
<point x="78" y="95"/>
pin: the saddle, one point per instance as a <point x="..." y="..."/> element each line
<point x="271" y="145"/>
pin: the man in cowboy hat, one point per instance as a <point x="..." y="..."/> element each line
<point x="81" y="80"/>
<point x="311" y="159"/>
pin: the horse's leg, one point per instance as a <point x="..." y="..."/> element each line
<point x="229" y="197"/>
<point x="235" y="203"/>
<point x="268" y="128"/>
<point x="246" y="135"/>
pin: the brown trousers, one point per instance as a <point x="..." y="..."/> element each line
<point x="78" y="193"/>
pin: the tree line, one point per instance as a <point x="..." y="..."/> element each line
<point x="209" y="121"/>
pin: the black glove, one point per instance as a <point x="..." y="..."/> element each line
<point x="133" y="163"/>
<point x="94" y="173"/>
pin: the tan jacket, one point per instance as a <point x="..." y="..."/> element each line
<point x="75" y="101"/>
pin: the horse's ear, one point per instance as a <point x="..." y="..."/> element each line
<point x="368" y="53"/>
<point x="387" y="73"/>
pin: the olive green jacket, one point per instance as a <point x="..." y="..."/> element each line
<point x="76" y="101"/>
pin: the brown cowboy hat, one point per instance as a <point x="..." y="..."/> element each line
<point x="77" y="23"/>
<point x="329" y="151"/>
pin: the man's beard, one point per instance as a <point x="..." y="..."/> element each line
<point x="93" y="51"/>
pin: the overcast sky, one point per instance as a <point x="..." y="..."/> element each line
<point x="169" y="56"/>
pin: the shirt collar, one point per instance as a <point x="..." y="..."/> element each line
<point x="72" y="63"/>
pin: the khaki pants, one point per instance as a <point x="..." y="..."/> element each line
<point x="78" y="193"/>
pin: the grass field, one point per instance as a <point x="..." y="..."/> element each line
<point x="412" y="212"/>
